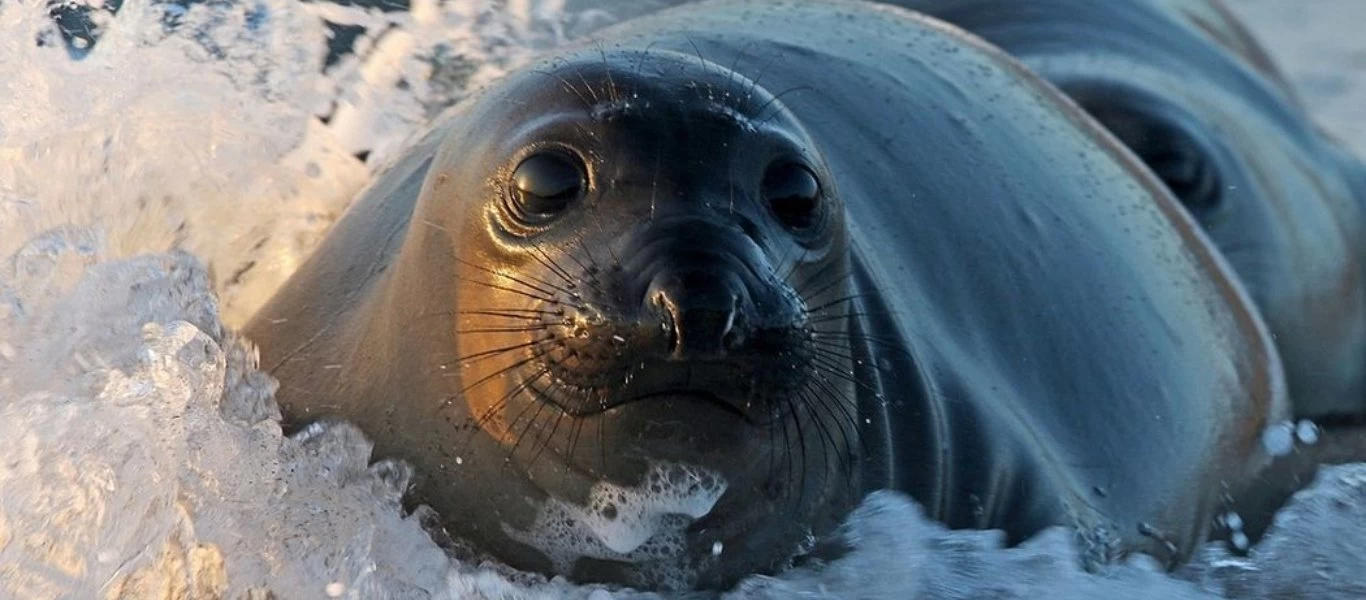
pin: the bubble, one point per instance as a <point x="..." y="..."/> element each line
<point x="1307" y="432"/>
<point x="1279" y="439"/>
<point x="1239" y="540"/>
<point x="631" y="524"/>
<point x="1233" y="521"/>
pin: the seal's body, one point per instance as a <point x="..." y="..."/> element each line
<point x="661" y="308"/>
<point x="1183" y="85"/>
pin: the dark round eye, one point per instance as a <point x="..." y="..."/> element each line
<point x="545" y="184"/>
<point x="793" y="192"/>
<point x="1188" y="174"/>
<point x="1173" y="151"/>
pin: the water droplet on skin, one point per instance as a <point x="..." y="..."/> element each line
<point x="1307" y="432"/>
<point x="335" y="589"/>
<point x="1234" y="521"/>
<point x="716" y="548"/>
<point x="1278" y="440"/>
<point x="1239" y="540"/>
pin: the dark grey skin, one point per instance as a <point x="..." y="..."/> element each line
<point x="816" y="249"/>
<point x="1183" y="85"/>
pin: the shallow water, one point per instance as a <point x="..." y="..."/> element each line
<point x="143" y="454"/>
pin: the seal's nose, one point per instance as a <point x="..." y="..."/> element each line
<point x="700" y="311"/>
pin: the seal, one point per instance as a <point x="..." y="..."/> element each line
<point x="1184" y="86"/>
<point x="662" y="308"/>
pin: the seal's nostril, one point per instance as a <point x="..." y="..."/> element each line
<point x="698" y="310"/>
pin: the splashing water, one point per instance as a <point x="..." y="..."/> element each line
<point x="143" y="453"/>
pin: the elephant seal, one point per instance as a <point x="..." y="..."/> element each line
<point x="662" y="308"/>
<point x="1185" y="87"/>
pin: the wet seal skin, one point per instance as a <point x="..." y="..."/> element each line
<point x="662" y="308"/>
<point x="1184" y="86"/>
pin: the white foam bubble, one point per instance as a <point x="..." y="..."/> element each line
<point x="631" y="524"/>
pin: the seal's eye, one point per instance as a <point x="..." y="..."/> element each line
<point x="545" y="184"/>
<point x="1188" y="174"/>
<point x="793" y="192"/>
<point x="1170" y="142"/>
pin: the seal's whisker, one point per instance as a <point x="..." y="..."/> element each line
<point x="588" y="253"/>
<point x="538" y="327"/>
<point x="846" y="315"/>
<point x="825" y="335"/>
<point x="772" y="450"/>
<point x="602" y="443"/>
<point x="517" y="442"/>
<point x="811" y="278"/>
<point x="838" y="406"/>
<point x="597" y="221"/>
<point x="849" y="340"/>
<point x="543" y="400"/>
<point x="483" y="354"/>
<point x="801" y="443"/>
<point x="835" y="371"/>
<point x="484" y="269"/>
<point x="612" y="93"/>
<point x="532" y="314"/>
<point x="554" y="267"/>
<point x="448" y="313"/>
<point x="777" y="97"/>
<point x="592" y="92"/>
<point x="702" y="62"/>
<point x="825" y="288"/>
<point x="497" y="406"/>
<point x="640" y="60"/>
<point x="574" y="439"/>
<point x="787" y="447"/>
<point x="833" y="353"/>
<point x="841" y="406"/>
<point x="550" y="437"/>
<point x="794" y="265"/>
<point x="754" y="83"/>
<point x="734" y="64"/>
<point x="569" y="87"/>
<point x="826" y="439"/>
<point x="549" y="299"/>
<point x="822" y="307"/>
<point x="496" y="374"/>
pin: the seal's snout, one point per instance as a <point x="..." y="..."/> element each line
<point x="700" y="310"/>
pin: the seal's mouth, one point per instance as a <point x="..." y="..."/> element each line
<point x="753" y="388"/>
<point x="740" y="400"/>
<point x="726" y="403"/>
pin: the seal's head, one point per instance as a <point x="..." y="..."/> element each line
<point x="651" y="282"/>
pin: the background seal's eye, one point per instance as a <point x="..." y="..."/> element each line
<point x="1187" y="173"/>
<point x="794" y="194"/>
<point x="1170" y="143"/>
<point x="545" y="184"/>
